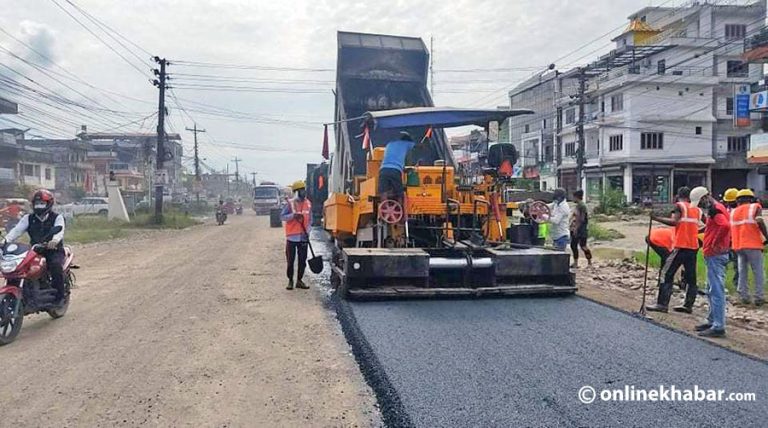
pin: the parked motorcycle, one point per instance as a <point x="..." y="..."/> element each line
<point x="221" y="216"/>
<point x="27" y="287"/>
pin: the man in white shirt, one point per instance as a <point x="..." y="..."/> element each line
<point x="560" y="214"/>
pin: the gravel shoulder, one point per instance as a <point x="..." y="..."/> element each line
<point x="186" y="328"/>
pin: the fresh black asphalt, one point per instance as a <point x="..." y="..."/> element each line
<point x="521" y="362"/>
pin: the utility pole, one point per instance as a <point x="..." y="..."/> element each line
<point x="236" y="160"/>
<point x="254" y="177"/>
<point x="580" y="150"/>
<point x="227" y="179"/>
<point x="197" y="162"/>
<point x="159" y="178"/>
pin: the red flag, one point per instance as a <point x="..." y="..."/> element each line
<point x="366" y="138"/>
<point x="325" y="142"/>
<point x="428" y="134"/>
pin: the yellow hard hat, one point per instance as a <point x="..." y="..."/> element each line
<point x="745" y="192"/>
<point x="730" y="195"/>
<point x="298" y="185"/>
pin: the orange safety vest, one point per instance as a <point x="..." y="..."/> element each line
<point x="687" y="229"/>
<point x="663" y="237"/>
<point x="745" y="233"/>
<point x="293" y="226"/>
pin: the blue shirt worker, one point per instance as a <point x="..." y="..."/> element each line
<point x="391" y="172"/>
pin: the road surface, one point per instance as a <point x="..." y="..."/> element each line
<point x="521" y="362"/>
<point x="186" y="328"/>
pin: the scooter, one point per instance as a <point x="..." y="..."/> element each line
<point x="27" y="288"/>
<point x="221" y="216"/>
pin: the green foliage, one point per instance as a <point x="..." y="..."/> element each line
<point x="612" y="201"/>
<point x="25" y="190"/>
<point x="84" y="229"/>
<point x="600" y="233"/>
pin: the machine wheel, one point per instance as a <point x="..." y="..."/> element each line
<point x="539" y="212"/>
<point x="391" y="211"/>
<point x="10" y="321"/>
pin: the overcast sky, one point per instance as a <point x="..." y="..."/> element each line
<point x="469" y="34"/>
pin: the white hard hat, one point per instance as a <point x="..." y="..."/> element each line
<point x="697" y="193"/>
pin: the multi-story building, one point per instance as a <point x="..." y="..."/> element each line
<point x="75" y="175"/>
<point x="22" y="165"/>
<point x="660" y="110"/>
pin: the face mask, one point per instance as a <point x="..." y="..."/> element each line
<point x="301" y="194"/>
<point x="40" y="209"/>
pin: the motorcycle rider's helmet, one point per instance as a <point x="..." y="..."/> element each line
<point x="42" y="202"/>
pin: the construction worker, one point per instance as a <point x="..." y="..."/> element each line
<point x="685" y="219"/>
<point x="729" y="201"/>
<point x="579" y="229"/>
<point x="560" y="214"/>
<point x="660" y="240"/>
<point x="748" y="237"/>
<point x="716" y="245"/>
<point x="392" y="166"/>
<point x="297" y="216"/>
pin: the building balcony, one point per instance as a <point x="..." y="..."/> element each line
<point x="614" y="79"/>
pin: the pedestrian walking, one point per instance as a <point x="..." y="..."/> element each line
<point x="748" y="236"/>
<point x="716" y="246"/>
<point x="580" y="229"/>
<point x="296" y="216"/>
<point x="685" y="219"/>
<point x="560" y="214"/>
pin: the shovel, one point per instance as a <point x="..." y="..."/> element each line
<point x="316" y="262"/>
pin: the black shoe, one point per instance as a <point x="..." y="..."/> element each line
<point x="702" y="327"/>
<point x="656" y="308"/>
<point x="759" y="302"/>
<point x="290" y="285"/>
<point x="710" y="332"/>
<point x="684" y="309"/>
<point x="300" y="284"/>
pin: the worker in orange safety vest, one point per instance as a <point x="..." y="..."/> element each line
<point x="685" y="219"/>
<point x="748" y="238"/>
<point x="296" y="217"/>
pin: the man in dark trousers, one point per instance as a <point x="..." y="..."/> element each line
<point x="297" y="218"/>
<point x="685" y="219"/>
<point x="39" y="226"/>
<point x="579" y="229"/>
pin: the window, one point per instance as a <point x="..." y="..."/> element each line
<point x="617" y="102"/>
<point x="527" y="128"/>
<point x="548" y="155"/>
<point x="36" y="171"/>
<point x="616" y="143"/>
<point x="543" y="123"/>
<point x="652" y="141"/>
<point x="47" y="173"/>
<point x="735" y="31"/>
<point x="729" y="106"/>
<point x="570" y="116"/>
<point x="738" y="144"/>
<point x="570" y="149"/>
<point x="661" y="66"/>
<point x="28" y="170"/>
<point x="698" y="130"/>
<point x="737" y="69"/>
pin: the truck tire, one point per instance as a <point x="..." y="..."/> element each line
<point x="274" y="217"/>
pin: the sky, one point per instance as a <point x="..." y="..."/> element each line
<point x="278" y="62"/>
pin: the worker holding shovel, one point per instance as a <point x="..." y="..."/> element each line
<point x="296" y="214"/>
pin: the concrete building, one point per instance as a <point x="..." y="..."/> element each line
<point x="76" y="176"/>
<point x="23" y="165"/>
<point x="658" y="109"/>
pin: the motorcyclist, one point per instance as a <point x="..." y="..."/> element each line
<point x="39" y="225"/>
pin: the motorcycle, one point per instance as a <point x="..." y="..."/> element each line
<point x="239" y="209"/>
<point x="221" y="216"/>
<point x="27" y="287"/>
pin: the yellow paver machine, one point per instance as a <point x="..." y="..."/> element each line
<point x="447" y="235"/>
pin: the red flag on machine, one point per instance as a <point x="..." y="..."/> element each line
<point x="428" y="134"/>
<point x="366" y="138"/>
<point x="325" y="142"/>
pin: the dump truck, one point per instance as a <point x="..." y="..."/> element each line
<point x="447" y="235"/>
<point x="266" y="196"/>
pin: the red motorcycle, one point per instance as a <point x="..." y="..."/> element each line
<point x="26" y="288"/>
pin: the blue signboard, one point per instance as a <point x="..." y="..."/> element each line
<point x="742" y="110"/>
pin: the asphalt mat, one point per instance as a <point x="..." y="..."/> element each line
<point x="523" y="361"/>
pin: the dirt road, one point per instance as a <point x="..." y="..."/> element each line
<point x="185" y="328"/>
